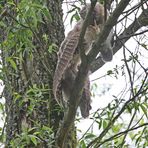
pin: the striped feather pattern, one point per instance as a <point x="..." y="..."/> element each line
<point x="67" y="49"/>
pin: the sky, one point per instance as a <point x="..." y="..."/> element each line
<point x="109" y="85"/>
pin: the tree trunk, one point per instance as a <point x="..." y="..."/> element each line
<point x="28" y="72"/>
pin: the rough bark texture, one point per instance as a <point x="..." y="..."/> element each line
<point x="30" y="72"/>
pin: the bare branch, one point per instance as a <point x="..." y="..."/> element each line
<point x="97" y="140"/>
<point x="96" y="48"/>
<point x="84" y="68"/>
<point x="75" y="95"/>
<point x="125" y="35"/>
<point x="124" y="132"/>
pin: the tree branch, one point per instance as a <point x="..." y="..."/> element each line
<point x="84" y="68"/>
<point x="97" y="46"/>
<point x="141" y="21"/>
<point x="77" y="91"/>
<point x="99" y="138"/>
<point x="124" y="132"/>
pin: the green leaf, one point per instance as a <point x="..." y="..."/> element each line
<point x="74" y="17"/>
<point x="109" y="72"/>
<point x="144" y="109"/>
<point x="116" y="128"/>
<point x="47" y="14"/>
<point x="37" y="6"/>
<point x="82" y="143"/>
<point x="100" y="123"/>
<point x="52" y="48"/>
<point x="89" y="136"/>
<point x="33" y="139"/>
<point x="144" y="46"/>
<point x="11" y="61"/>
<point x="104" y="124"/>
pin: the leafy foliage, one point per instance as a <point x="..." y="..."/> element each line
<point x="120" y="123"/>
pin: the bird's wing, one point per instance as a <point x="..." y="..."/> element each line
<point x="67" y="50"/>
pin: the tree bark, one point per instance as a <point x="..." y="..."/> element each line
<point x="34" y="72"/>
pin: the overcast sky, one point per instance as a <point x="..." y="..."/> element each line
<point x="115" y="86"/>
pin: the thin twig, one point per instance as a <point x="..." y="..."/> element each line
<point x="124" y="36"/>
<point x="98" y="139"/>
<point x="121" y="133"/>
